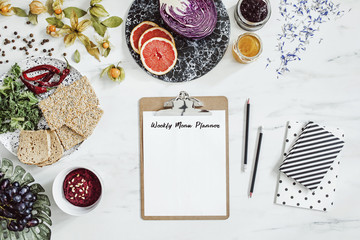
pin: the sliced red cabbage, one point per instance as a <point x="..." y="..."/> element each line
<point x="193" y="19"/>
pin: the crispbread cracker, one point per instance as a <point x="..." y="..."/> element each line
<point x="84" y="124"/>
<point x="34" y="147"/>
<point x="56" y="150"/>
<point x="84" y="85"/>
<point x="68" y="137"/>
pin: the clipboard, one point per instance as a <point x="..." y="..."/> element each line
<point x="167" y="106"/>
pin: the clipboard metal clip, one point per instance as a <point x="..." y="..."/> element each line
<point x="183" y="105"/>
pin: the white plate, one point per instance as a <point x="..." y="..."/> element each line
<point x="10" y="140"/>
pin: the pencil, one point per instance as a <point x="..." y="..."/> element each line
<point x="256" y="162"/>
<point x="246" y="133"/>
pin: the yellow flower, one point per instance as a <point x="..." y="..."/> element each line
<point x="5" y="8"/>
<point x="36" y="7"/>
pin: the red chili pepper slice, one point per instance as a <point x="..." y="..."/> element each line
<point x="37" y="77"/>
<point x="47" y="78"/>
<point x="63" y="75"/>
<point x="43" y="67"/>
<point x="34" y="89"/>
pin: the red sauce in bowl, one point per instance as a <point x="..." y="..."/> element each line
<point x="82" y="187"/>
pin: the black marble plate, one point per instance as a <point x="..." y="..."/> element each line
<point x="195" y="57"/>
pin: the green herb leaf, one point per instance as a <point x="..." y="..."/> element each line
<point x="79" y="12"/>
<point x="93" y="2"/>
<point x="98" y="10"/>
<point x="77" y="56"/>
<point x="112" y="22"/>
<point x="99" y="28"/>
<point x="56" y="22"/>
<point x="33" y="18"/>
<point x="19" y="12"/>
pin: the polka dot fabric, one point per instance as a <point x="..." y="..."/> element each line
<point x="291" y="193"/>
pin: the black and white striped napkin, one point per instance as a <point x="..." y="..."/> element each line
<point x="311" y="156"/>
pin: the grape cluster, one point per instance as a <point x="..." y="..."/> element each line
<point x="16" y="204"/>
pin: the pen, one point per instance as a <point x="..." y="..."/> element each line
<point x="256" y="162"/>
<point x="246" y="134"/>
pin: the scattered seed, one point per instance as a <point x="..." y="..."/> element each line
<point x="31" y="35"/>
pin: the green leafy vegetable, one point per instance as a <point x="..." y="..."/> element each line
<point x="79" y="12"/>
<point x="112" y="22"/>
<point x="18" y="106"/>
<point x="77" y="56"/>
<point x="56" y="22"/>
<point x="19" y="12"/>
<point x="99" y="28"/>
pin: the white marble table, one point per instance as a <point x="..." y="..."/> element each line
<point x="323" y="87"/>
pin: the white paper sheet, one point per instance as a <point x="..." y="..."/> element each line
<point x="184" y="167"/>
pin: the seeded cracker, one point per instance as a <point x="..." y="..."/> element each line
<point x="68" y="137"/>
<point x="84" y="124"/>
<point x="52" y="112"/>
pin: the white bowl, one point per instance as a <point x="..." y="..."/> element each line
<point x="59" y="197"/>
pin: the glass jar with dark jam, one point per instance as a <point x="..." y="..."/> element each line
<point x="252" y="15"/>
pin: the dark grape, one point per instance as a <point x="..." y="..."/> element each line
<point x="21" y="207"/>
<point x="29" y="204"/>
<point x="32" y="223"/>
<point x="13" y="226"/>
<point x="28" y="217"/>
<point x="16" y="202"/>
<point x="29" y="196"/>
<point x="22" y="221"/>
<point x="28" y="211"/>
<point x="24" y="190"/>
<point x="8" y="214"/>
<point x="4" y="184"/>
<point x="3" y="198"/>
<point x="21" y="227"/>
<point x="17" y="198"/>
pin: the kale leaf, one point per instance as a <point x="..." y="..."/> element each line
<point x="18" y="106"/>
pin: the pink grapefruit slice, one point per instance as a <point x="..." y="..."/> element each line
<point x="158" y="55"/>
<point x="155" y="32"/>
<point x="137" y="32"/>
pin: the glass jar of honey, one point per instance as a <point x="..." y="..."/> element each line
<point x="247" y="48"/>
